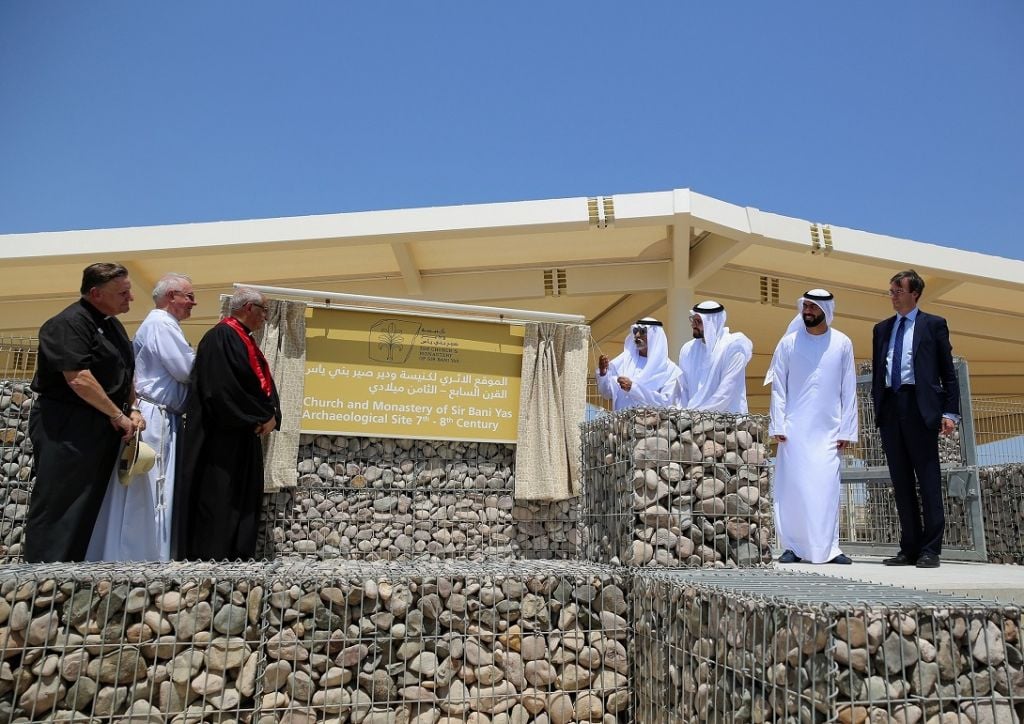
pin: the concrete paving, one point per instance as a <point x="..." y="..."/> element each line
<point x="1003" y="583"/>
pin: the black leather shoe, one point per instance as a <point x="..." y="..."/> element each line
<point x="842" y="559"/>
<point x="900" y="559"/>
<point x="789" y="556"/>
<point x="928" y="560"/>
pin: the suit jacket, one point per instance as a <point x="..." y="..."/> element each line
<point x="936" y="387"/>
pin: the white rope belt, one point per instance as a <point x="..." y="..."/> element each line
<point x="161" y="459"/>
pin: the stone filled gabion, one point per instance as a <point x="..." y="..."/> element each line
<point x="146" y="642"/>
<point x="15" y="465"/>
<point x="305" y="641"/>
<point x="534" y="641"/>
<point x="803" y="649"/>
<point x="1002" y="502"/>
<point x="398" y="499"/>
<point x="677" y="488"/>
<point x="951" y="448"/>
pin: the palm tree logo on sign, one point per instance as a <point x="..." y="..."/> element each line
<point x="391" y="340"/>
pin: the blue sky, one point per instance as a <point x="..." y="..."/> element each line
<point x="903" y="118"/>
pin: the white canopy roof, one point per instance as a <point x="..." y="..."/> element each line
<point x="612" y="259"/>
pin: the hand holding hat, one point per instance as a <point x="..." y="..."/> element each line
<point x="137" y="458"/>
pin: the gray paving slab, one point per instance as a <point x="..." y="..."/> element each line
<point x="1003" y="583"/>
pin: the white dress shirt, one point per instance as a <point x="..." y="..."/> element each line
<point x="907" y="360"/>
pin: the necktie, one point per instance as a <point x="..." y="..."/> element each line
<point x="895" y="378"/>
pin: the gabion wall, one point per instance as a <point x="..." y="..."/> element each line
<point x="677" y="488"/>
<point x="384" y="499"/>
<point x="1002" y="502"/>
<point x="157" y="643"/>
<point x="15" y="464"/>
<point x="338" y="641"/>
<point x="772" y="646"/>
<point x="531" y="641"/>
<point x="358" y="498"/>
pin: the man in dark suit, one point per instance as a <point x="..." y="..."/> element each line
<point x="916" y="396"/>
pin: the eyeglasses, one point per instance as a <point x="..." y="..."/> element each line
<point x="256" y="304"/>
<point x="642" y="331"/>
<point x="189" y="295"/>
<point x="897" y="292"/>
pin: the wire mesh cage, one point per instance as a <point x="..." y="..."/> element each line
<point x="147" y="642"/>
<point x="384" y="499"/>
<point x="1002" y="501"/>
<point x="670" y="487"/>
<point x="522" y="641"/>
<point x="17" y="364"/>
<point x="867" y="509"/>
<point x="774" y="646"/>
<point x="518" y="641"/>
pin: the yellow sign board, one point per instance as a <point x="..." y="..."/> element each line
<point x="395" y="375"/>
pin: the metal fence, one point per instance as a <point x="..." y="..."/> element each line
<point x="532" y="641"/>
<point x="868" y="519"/>
<point x="998" y="429"/>
<point x="956" y="450"/>
<point x="596" y="404"/>
<point x="774" y="646"/>
<point x="670" y="487"/>
<point x="18" y="357"/>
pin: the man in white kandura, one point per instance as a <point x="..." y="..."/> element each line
<point x="714" y="363"/>
<point x="813" y="417"/>
<point x="135" y="521"/>
<point x="643" y="374"/>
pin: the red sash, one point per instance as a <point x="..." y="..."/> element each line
<point x="257" y="361"/>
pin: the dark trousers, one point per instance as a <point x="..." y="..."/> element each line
<point x="912" y="451"/>
<point x="75" y="450"/>
<point x="226" y="493"/>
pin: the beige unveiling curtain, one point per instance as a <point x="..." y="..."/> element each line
<point x="283" y="341"/>
<point x="552" y="404"/>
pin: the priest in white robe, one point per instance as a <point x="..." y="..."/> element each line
<point x="134" y="523"/>
<point x="714" y="363"/>
<point x="813" y="418"/>
<point x="642" y="375"/>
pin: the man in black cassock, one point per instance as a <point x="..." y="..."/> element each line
<point x="84" y="409"/>
<point x="234" y="403"/>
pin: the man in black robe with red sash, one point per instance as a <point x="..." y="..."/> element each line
<point x="234" y="403"/>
